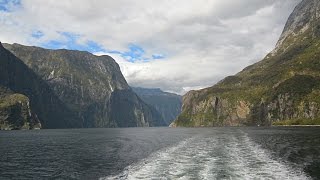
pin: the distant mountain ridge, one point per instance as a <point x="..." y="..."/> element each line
<point x="167" y="104"/>
<point x="91" y="87"/>
<point x="283" y="88"/>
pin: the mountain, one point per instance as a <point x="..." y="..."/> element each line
<point x="167" y="104"/>
<point x="92" y="87"/>
<point x="26" y="101"/>
<point x="283" y="88"/>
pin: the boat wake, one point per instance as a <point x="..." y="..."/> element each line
<point x="226" y="156"/>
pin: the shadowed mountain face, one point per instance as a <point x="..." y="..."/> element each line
<point x="167" y="104"/>
<point x="91" y="87"/>
<point x="125" y="102"/>
<point x="26" y="100"/>
<point x="283" y="87"/>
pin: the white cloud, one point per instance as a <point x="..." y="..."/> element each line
<point x="202" y="40"/>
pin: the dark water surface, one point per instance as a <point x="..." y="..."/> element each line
<point x="161" y="153"/>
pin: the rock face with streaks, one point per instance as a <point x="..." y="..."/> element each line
<point x="92" y="87"/>
<point x="284" y="86"/>
<point x="26" y="101"/>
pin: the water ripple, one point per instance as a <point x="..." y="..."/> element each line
<point x="225" y="156"/>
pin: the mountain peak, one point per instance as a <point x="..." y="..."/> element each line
<point x="304" y="20"/>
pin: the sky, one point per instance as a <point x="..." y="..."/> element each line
<point x="175" y="45"/>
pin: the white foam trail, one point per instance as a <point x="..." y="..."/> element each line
<point x="223" y="156"/>
<point x="144" y="168"/>
<point x="246" y="160"/>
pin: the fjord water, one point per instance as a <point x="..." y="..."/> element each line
<point x="161" y="153"/>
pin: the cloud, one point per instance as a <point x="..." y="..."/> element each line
<point x="172" y="44"/>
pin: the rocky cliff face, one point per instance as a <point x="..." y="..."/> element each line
<point x="284" y="86"/>
<point x="16" y="113"/>
<point x="304" y="18"/>
<point x="167" y="104"/>
<point x="26" y="100"/>
<point x="88" y="85"/>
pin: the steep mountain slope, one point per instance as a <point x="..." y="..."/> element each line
<point x="15" y="111"/>
<point x="91" y="86"/>
<point x="282" y="88"/>
<point x="167" y="104"/>
<point x="26" y="100"/>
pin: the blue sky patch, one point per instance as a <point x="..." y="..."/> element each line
<point x="135" y="53"/>
<point x="54" y="45"/>
<point x="37" y="34"/>
<point x="70" y="41"/>
<point x="6" y="5"/>
<point x="157" y="56"/>
<point x="94" y="47"/>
